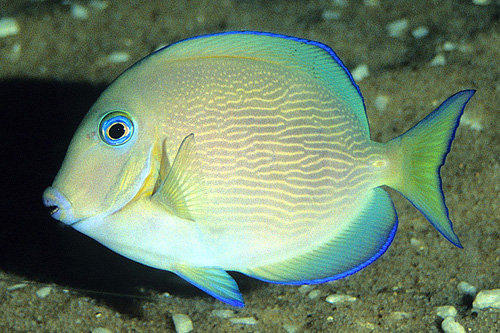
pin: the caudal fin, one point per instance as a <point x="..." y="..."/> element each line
<point x="423" y="151"/>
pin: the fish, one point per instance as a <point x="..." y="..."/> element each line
<point x="249" y="152"/>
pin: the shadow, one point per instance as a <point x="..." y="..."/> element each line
<point x="38" y="120"/>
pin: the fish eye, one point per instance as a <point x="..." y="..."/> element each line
<point x="116" y="128"/>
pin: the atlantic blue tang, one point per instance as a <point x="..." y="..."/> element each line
<point x="248" y="152"/>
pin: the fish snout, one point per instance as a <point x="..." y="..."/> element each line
<point x="59" y="207"/>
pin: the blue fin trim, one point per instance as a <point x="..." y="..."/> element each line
<point x="424" y="149"/>
<point x="362" y="242"/>
<point x="214" y="281"/>
<point x="326" y="70"/>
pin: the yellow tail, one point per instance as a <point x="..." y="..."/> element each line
<point x="423" y="150"/>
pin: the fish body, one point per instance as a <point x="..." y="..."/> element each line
<point x="249" y="152"/>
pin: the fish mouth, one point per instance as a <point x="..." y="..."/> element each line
<point x="59" y="206"/>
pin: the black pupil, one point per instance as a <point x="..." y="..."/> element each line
<point x="116" y="131"/>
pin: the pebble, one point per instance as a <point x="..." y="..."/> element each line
<point x="416" y="243"/>
<point x="381" y="102"/>
<point x="17" y="286"/>
<point x="481" y="2"/>
<point x="243" y="320"/>
<point x="473" y="122"/>
<point x="99" y="4"/>
<point x="360" y="72"/>
<point x="439" y="60"/>
<point x="399" y="315"/>
<point x="305" y="288"/>
<point x="330" y="15"/>
<point x="221" y="313"/>
<point x="467" y="289"/>
<point x="420" y="32"/>
<point x="44" y="292"/>
<point x="79" y="12"/>
<point x="449" y="46"/>
<point x="339" y="298"/>
<point x="9" y="27"/>
<point x="397" y="28"/>
<point x="446" y="311"/>
<point x="487" y="299"/>
<point x="314" y="294"/>
<point x="118" y="56"/>
<point x="449" y="325"/>
<point x="182" y="323"/>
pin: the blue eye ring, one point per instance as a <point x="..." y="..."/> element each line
<point x="116" y="128"/>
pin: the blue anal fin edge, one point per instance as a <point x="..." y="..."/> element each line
<point x="214" y="281"/>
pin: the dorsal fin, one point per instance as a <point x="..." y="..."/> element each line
<point x="181" y="189"/>
<point x="312" y="58"/>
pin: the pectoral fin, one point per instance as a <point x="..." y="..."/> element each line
<point x="214" y="281"/>
<point x="181" y="190"/>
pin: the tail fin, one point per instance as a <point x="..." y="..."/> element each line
<point x="423" y="151"/>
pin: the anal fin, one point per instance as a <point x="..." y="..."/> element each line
<point x="214" y="281"/>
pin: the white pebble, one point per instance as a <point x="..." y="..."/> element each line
<point x="221" y="313"/>
<point x="43" y="292"/>
<point x="360" y="72"/>
<point x="449" y="325"/>
<point x="399" y="315"/>
<point x="439" y="60"/>
<point x="330" y="15"/>
<point x="467" y="289"/>
<point x="420" y="32"/>
<point x="446" y="311"/>
<point x="487" y="299"/>
<point x="449" y="46"/>
<point x="243" y="320"/>
<point x="79" y="11"/>
<point x="8" y="27"/>
<point x="118" y="56"/>
<point x="99" y="4"/>
<point x="17" y="286"/>
<point x="381" y="102"/>
<point x="182" y="323"/>
<point x="481" y="2"/>
<point x="397" y="28"/>
<point x="338" y="298"/>
<point x="305" y="288"/>
<point x="314" y="294"/>
<point x="471" y="121"/>
<point x="415" y="242"/>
